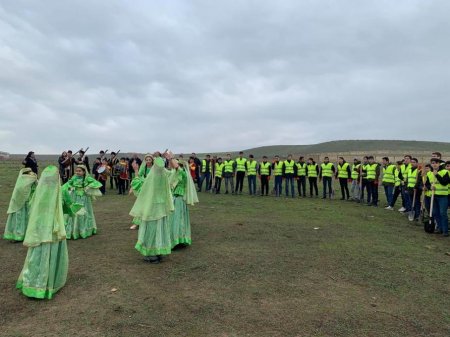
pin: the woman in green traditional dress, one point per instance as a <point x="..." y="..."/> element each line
<point x="81" y="189"/>
<point x="153" y="206"/>
<point x="45" y="268"/>
<point x="138" y="181"/>
<point x="19" y="205"/>
<point x="184" y="192"/>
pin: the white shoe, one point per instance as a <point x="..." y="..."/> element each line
<point x="389" y="208"/>
<point x="402" y="209"/>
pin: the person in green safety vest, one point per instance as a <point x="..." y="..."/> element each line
<point x="218" y="172"/>
<point x="277" y="168"/>
<point x="413" y="185"/>
<point x="327" y="171"/>
<point x="289" y="172"/>
<point x="206" y="170"/>
<point x="363" y="181"/>
<point x="388" y="181"/>
<point x="228" y="174"/>
<point x="344" y="174"/>
<point x="405" y="196"/>
<point x="438" y="181"/>
<point x="312" y="172"/>
<point x="372" y="175"/>
<point x="251" y="166"/>
<point x="301" y="177"/>
<point x="398" y="182"/>
<point x="264" y="171"/>
<point x="356" y="167"/>
<point x="240" y="172"/>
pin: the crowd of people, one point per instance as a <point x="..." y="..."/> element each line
<point x="45" y="212"/>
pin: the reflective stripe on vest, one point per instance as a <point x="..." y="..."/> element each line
<point x="301" y="169"/>
<point x="412" y="177"/>
<point x="251" y="168"/>
<point x="219" y="169"/>
<point x="371" y="171"/>
<point x="265" y="168"/>
<point x="278" y="168"/>
<point x="342" y="170"/>
<point x="289" y="167"/>
<point x="327" y="170"/>
<point x="229" y="166"/>
<point x="355" y="171"/>
<point x="240" y="164"/>
<point x="439" y="189"/>
<point x="389" y="174"/>
<point x="312" y="171"/>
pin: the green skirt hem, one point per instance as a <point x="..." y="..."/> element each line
<point x="152" y="251"/>
<point x="13" y="237"/>
<point x="83" y="235"/>
<point x="182" y="241"/>
<point x="36" y="293"/>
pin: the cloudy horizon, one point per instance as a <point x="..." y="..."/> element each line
<point x="216" y="76"/>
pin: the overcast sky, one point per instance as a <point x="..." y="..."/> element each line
<point x="221" y="75"/>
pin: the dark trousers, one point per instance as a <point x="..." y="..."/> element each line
<point x="327" y="183"/>
<point x="397" y="192"/>
<point x="112" y="181"/>
<point x="363" y="186"/>
<point x="343" y="182"/>
<point x="265" y="185"/>
<point x="103" y="188"/>
<point x="289" y="182"/>
<point x="313" y="185"/>
<point x="372" y="193"/>
<point x="121" y="186"/>
<point x="217" y="184"/>
<point x="240" y="175"/>
<point x="278" y="185"/>
<point x="205" y="177"/>
<point x="252" y="184"/>
<point x="301" y="186"/>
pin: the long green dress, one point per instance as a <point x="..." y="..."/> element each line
<point x="183" y="192"/>
<point x="19" y="208"/>
<point x="153" y="206"/>
<point x="137" y="182"/>
<point x="46" y="265"/>
<point x="81" y="191"/>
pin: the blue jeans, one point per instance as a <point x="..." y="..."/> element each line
<point x="252" y="184"/>
<point x="326" y="182"/>
<point x="389" y="191"/>
<point x="278" y="185"/>
<point x="289" y="180"/>
<point x="440" y="206"/>
<point x="205" y="176"/>
<point x="407" y="200"/>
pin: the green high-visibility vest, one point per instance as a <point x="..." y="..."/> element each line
<point x="403" y="169"/>
<point x="204" y="166"/>
<point x="278" y="168"/>
<point x="289" y="167"/>
<point x="371" y="171"/>
<point x="301" y="169"/>
<point x="397" y="179"/>
<point x="251" y="168"/>
<point x="412" y="177"/>
<point x="240" y="164"/>
<point x="265" y="168"/>
<point x="219" y="169"/>
<point x="355" y="171"/>
<point x="229" y="166"/>
<point x="440" y="190"/>
<point x="327" y="169"/>
<point x="342" y="170"/>
<point x="389" y="174"/>
<point x="312" y="170"/>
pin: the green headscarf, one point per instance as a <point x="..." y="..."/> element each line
<point x="87" y="185"/>
<point x="155" y="200"/>
<point x="46" y="222"/>
<point x="143" y="168"/>
<point x="23" y="189"/>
